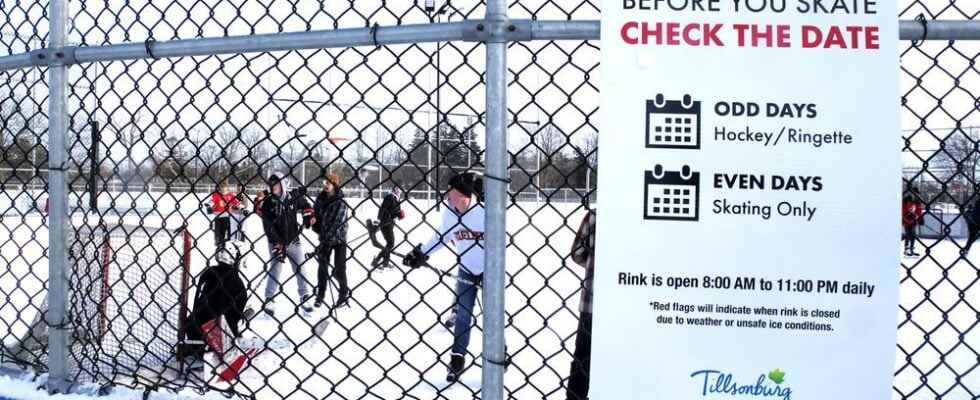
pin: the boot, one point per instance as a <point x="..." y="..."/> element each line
<point x="455" y="367"/>
<point x="303" y="305"/>
<point x="318" y="304"/>
<point x="269" y="308"/>
<point x="343" y="297"/>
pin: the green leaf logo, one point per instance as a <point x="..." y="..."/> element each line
<point x="777" y="376"/>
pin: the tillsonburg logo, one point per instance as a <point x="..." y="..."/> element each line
<point x="723" y="384"/>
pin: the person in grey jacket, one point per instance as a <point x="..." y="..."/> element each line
<point x="330" y="224"/>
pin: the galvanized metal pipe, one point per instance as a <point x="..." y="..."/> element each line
<point x="57" y="313"/>
<point x="495" y="245"/>
<point x="403" y="34"/>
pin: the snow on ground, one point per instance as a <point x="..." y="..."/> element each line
<point x="25" y="387"/>
<point x="389" y="343"/>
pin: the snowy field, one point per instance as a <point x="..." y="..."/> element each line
<point x="389" y="343"/>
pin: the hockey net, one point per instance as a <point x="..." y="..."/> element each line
<point x="128" y="298"/>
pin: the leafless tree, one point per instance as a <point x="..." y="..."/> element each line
<point x="957" y="162"/>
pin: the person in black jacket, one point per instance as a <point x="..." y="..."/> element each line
<point x="220" y="293"/>
<point x="972" y="217"/>
<point x="390" y="210"/>
<point x="279" y="211"/>
<point x="330" y="224"/>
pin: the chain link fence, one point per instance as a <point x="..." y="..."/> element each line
<point x="152" y="138"/>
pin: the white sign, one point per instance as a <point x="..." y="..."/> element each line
<point x="749" y="217"/>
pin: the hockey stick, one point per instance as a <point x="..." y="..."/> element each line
<point x="373" y="232"/>
<point x="322" y="325"/>
<point x="312" y="254"/>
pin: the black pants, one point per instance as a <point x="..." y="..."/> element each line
<point x="578" y="377"/>
<point x="222" y="228"/>
<point x="388" y="232"/>
<point x="910" y="236"/>
<point x="339" y="270"/>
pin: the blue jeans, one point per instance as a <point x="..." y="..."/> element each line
<point x="294" y="254"/>
<point x="467" y="286"/>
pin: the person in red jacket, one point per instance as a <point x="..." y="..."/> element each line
<point x="221" y="204"/>
<point x="912" y="211"/>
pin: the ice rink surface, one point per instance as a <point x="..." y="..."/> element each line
<point x="389" y="343"/>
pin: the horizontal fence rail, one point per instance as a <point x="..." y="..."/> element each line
<point x="471" y="30"/>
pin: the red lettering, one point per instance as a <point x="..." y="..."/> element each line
<point x="765" y="34"/>
<point x="811" y="36"/>
<point x="741" y="28"/>
<point x="782" y="36"/>
<point x="688" y="37"/>
<point x="711" y="35"/>
<point x="835" y="38"/>
<point x="647" y="33"/>
<point x="871" y="38"/>
<point x="854" y="31"/>
<point x="673" y="31"/>
<point x="841" y="37"/>
<point x="624" y="32"/>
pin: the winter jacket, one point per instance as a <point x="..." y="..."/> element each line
<point x="221" y="291"/>
<point x="464" y="234"/>
<point x="331" y="218"/>
<point x="583" y="253"/>
<point x="972" y="214"/>
<point x="912" y="211"/>
<point x="390" y="209"/>
<point x="279" y="216"/>
<point x="222" y="203"/>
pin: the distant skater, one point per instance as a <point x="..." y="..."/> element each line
<point x="912" y="211"/>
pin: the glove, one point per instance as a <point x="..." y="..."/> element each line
<point x="209" y="209"/>
<point x="279" y="252"/>
<point x="416" y="258"/>
<point x="401" y="215"/>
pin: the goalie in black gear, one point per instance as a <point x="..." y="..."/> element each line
<point x="220" y="293"/>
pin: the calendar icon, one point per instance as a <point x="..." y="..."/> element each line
<point x="673" y="124"/>
<point x="671" y="195"/>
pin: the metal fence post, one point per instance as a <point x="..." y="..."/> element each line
<point x="494" y="356"/>
<point x="58" y="202"/>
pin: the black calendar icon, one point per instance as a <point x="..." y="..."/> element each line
<point x="673" y="124"/>
<point x="671" y="195"/>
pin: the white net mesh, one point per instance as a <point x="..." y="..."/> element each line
<point x="127" y="299"/>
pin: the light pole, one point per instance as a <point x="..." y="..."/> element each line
<point x="292" y="151"/>
<point x="440" y="117"/>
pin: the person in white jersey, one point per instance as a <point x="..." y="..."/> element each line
<point x="462" y="231"/>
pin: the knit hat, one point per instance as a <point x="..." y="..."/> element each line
<point x="334" y="180"/>
<point x="467" y="183"/>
